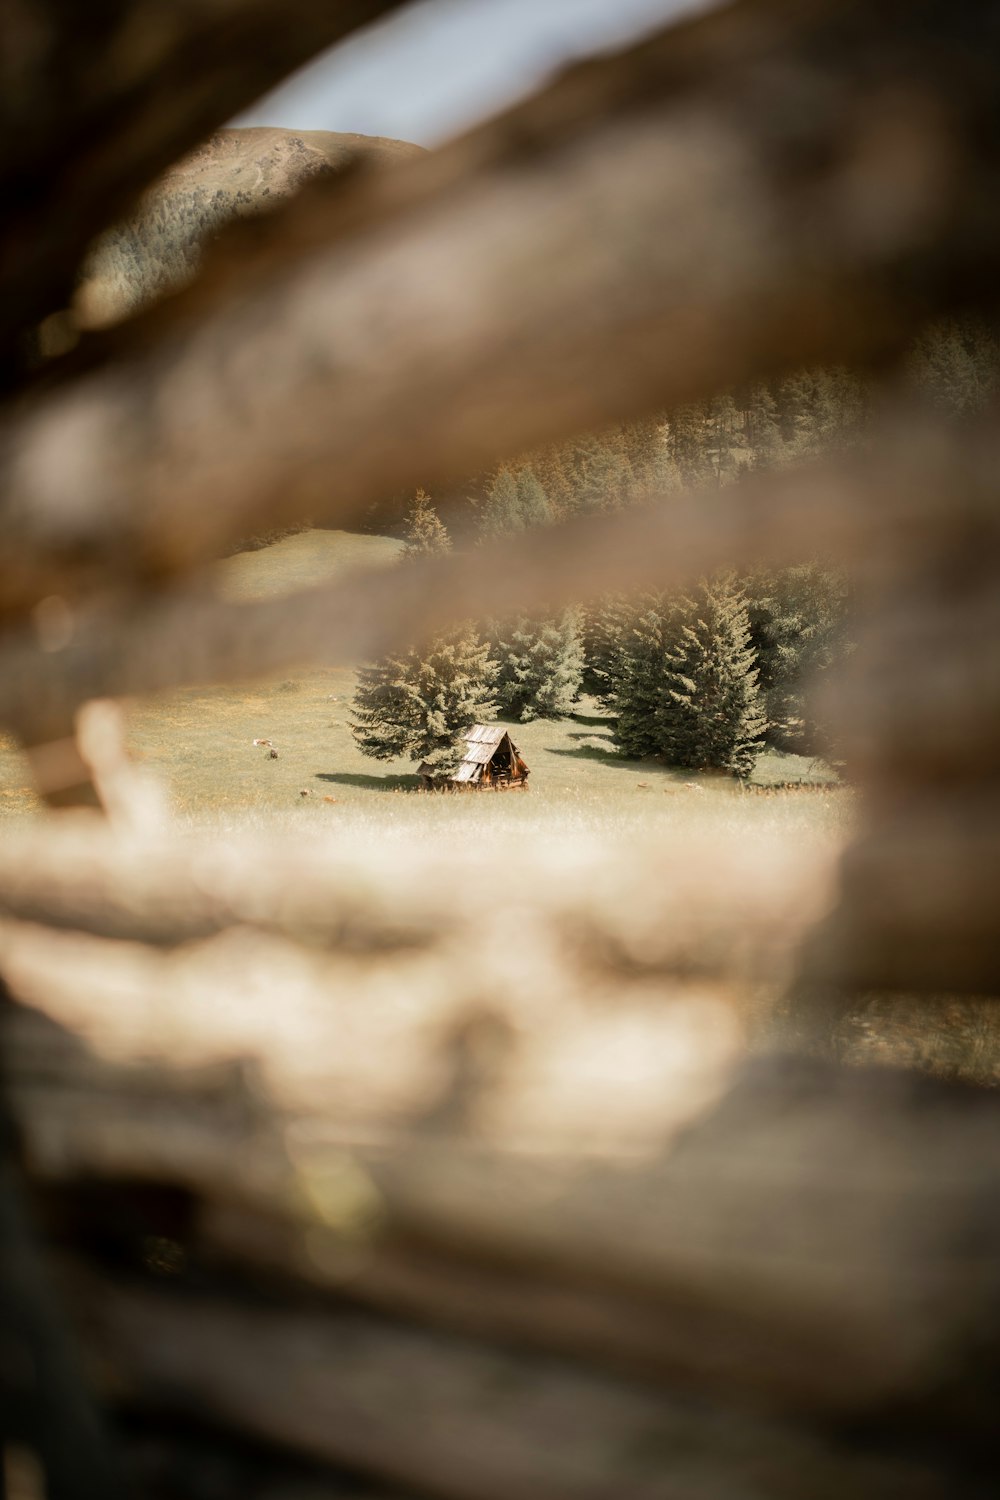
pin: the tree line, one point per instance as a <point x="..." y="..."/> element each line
<point x="700" y="680"/>
<point x="697" y="680"/>
<point x="955" y="366"/>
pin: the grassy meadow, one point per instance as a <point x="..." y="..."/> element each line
<point x="199" y="743"/>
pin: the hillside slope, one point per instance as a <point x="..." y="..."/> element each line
<point x="236" y="172"/>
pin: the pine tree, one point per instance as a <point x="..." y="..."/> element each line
<point x="425" y="533"/>
<point x="797" y="624"/>
<point x="419" y="704"/>
<point x="604" y="626"/>
<point x="955" y="365"/>
<point x="827" y="422"/>
<point x="720" y="437"/>
<point x="793" y="398"/>
<point x="760" y="426"/>
<point x="540" y="666"/>
<point x="637" y="678"/>
<point x="532" y="501"/>
<point x="551" y="466"/>
<point x="500" y="513"/>
<point x="688" y="444"/>
<point x="709" y="714"/>
<point x="600" y="473"/>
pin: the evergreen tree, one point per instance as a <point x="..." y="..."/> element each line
<point x="709" y="713"/>
<point x="819" y="409"/>
<point x="551" y="467"/>
<point x="797" y="623"/>
<point x="425" y="533"/>
<point x="760" y="427"/>
<point x="793" y="399"/>
<point x="720" y="437"/>
<point x="500" y="513"/>
<point x="647" y="449"/>
<point x="826" y="415"/>
<point x="419" y="704"/>
<point x="688" y="445"/>
<point x="532" y="501"/>
<point x="955" y="364"/>
<point x="540" y="666"/>
<point x="600" y="474"/>
<point x="636" y="679"/>
<point x="604" y="626"/>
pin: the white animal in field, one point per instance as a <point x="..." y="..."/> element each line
<point x="266" y="743"/>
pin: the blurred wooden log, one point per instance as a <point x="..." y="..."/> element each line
<point x="763" y="187"/>
<point x="46" y="1415"/>
<point x="726" y="912"/>
<point x="155" y="891"/>
<point x="751" y="1234"/>
<point x="917" y="713"/>
<point x="91" y="113"/>
<point x="453" y="1419"/>
<point x="444" y="1288"/>
<point x="169" y="1461"/>
<point x="918" y="910"/>
<point x="824" y="1242"/>
<point x="447" y="1031"/>
<point x="918" y="701"/>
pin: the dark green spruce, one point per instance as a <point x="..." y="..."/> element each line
<point x="418" y="704"/>
<point x="710" y="715"/>
<point x="540" y="665"/>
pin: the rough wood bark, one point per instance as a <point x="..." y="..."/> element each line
<point x="820" y="1243"/>
<point x="457" y="1420"/>
<point x="809" y="1248"/>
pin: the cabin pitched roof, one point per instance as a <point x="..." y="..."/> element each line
<point x="485" y="734"/>
<point x="482" y="742"/>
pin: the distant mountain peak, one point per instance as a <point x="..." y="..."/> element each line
<point x="236" y="172"/>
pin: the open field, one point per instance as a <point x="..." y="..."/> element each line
<point x="199" y="744"/>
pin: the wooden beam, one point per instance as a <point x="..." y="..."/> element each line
<point x="766" y="186"/>
<point x="91" y="113"/>
<point x="453" y="1419"/>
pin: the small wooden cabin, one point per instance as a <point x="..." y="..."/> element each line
<point x="491" y="760"/>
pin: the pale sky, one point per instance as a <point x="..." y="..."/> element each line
<point x="437" y="66"/>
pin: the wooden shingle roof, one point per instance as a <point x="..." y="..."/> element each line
<point x="483" y="741"/>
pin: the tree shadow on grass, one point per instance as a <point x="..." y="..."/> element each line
<point x="590" y="719"/>
<point x="374" y="783"/>
<point x="588" y="734"/>
<point x="623" y="763"/>
<point x="591" y="752"/>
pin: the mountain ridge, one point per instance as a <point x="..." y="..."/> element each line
<point x="237" y="172"/>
